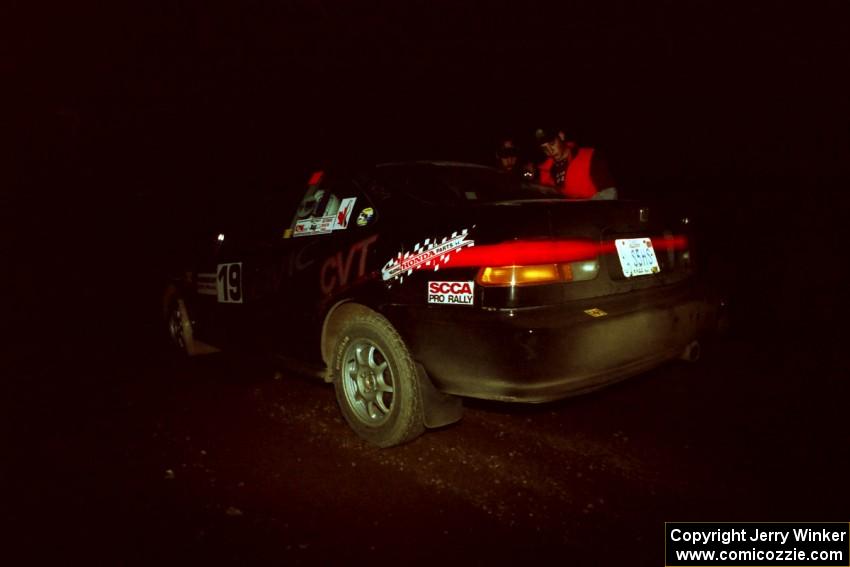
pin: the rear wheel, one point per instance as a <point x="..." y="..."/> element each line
<point x="375" y="380"/>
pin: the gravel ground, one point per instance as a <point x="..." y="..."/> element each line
<point x="119" y="455"/>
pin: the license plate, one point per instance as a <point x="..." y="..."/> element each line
<point x="637" y="256"/>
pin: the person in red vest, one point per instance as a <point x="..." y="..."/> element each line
<point x="578" y="172"/>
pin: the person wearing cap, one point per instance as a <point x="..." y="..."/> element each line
<point x="507" y="155"/>
<point x="578" y="172"/>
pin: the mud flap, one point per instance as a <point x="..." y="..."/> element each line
<point x="440" y="409"/>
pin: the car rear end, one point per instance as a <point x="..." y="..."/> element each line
<point x="567" y="296"/>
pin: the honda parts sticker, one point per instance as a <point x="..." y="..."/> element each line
<point x="428" y="254"/>
<point x="451" y="293"/>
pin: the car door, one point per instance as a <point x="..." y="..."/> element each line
<point x="246" y="269"/>
<point x="318" y="257"/>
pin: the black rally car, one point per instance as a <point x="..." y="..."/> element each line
<point x="416" y="283"/>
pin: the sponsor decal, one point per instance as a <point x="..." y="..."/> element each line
<point x="314" y="225"/>
<point x="427" y="254"/>
<point x="337" y="270"/>
<point x="344" y="213"/>
<point x="595" y="312"/>
<point x="206" y="284"/>
<point x="451" y="293"/>
<point x="328" y="223"/>
<point x="365" y="216"/>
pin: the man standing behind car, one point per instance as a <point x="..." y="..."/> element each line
<point x="578" y="172"/>
<point x="508" y="157"/>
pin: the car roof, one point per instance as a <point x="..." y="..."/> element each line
<point x="440" y="163"/>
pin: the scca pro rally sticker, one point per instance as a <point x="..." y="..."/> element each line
<point x="425" y="255"/>
<point x="451" y="293"/>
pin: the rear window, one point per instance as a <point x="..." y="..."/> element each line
<point x="451" y="184"/>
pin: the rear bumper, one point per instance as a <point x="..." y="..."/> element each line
<point x="548" y="353"/>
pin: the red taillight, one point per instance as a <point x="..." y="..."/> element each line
<point x="530" y="262"/>
<point x="525" y="253"/>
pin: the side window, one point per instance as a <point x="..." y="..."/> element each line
<point x="317" y="202"/>
<point x="327" y="206"/>
<point x="420" y="184"/>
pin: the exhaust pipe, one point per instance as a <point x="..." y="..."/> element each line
<point x="691" y="352"/>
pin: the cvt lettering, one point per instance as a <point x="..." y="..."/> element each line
<point x="336" y="271"/>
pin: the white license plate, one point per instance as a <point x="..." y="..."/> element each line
<point x="637" y="256"/>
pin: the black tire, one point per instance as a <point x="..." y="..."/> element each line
<point x="375" y="380"/>
<point x="178" y="326"/>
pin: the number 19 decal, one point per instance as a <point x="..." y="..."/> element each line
<point x="229" y="283"/>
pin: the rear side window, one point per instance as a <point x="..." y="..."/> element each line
<point x="327" y="206"/>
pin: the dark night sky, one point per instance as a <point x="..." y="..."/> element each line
<point x="197" y="90"/>
<point x="738" y="110"/>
